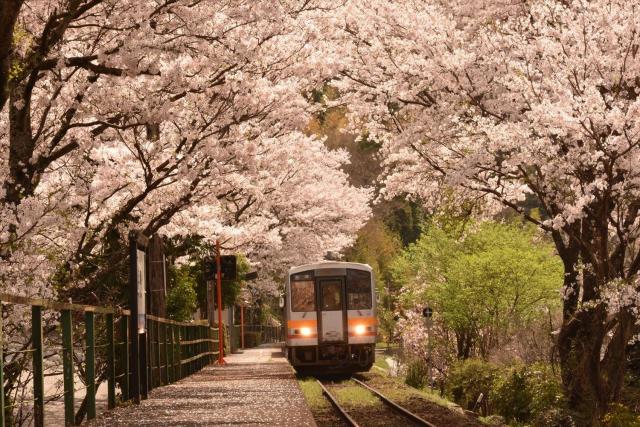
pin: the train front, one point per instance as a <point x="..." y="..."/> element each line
<point x="331" y="319"/>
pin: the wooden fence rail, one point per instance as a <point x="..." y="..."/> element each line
<point x="175" y="350"/>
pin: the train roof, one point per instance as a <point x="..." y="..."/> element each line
<point x="329" y="264"/>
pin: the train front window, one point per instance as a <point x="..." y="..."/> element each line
<point x="303" y="295"/>
<point x="358" y="290"/>
<point x="331" y="295"/>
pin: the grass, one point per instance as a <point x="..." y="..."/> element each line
<point x="353" y="395"/>
<point x="381" y="362"/>
<point x="348" y="393"/>
<point x="386" y="345"/>
<point x="428" y="394"/>
<point x="312" y="393"/>
<point x="400" y="393"/>
<point x="434" y="396"/>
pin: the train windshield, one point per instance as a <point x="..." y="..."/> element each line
<point x="331" y="291"/>
<point x="358" y="290"/>
<point x="303" y="293"/>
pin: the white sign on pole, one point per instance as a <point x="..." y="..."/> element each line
<point x="141" y="291"/>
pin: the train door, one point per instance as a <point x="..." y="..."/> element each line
<point x="331" y="309"/>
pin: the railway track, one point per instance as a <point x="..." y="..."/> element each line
<point x="393" y="415"/>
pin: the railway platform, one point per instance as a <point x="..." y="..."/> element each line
<point x="255" y="388"/>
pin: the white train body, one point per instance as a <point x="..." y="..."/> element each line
<point x="330" y="312"/>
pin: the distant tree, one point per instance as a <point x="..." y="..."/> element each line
<point x="182" y="298"/>
<point x="377" y="246"/>
<point x="485" y="281"/>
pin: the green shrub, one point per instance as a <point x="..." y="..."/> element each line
<point x="621" y="416"/>
<point x="546" y="389"/>
<point x="523" y="393"/>
<point x="468" y="379"/>
<point x="493" y="420"/>
<point x="554" y="417"/>
<point x="520" y="393"/>
<point x="511" y="395"/>
<point x="417" y="372"/>
<point x="181" y="298"/>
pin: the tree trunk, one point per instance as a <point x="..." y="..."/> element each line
<point x="21" y="146"/>
<point x="9" y="10"/>
<point x="579" y="345"/>
<point x="464" y="343"/>
<point x="592" y="365"/>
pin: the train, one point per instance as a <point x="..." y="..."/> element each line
<point x="330" y="317"/>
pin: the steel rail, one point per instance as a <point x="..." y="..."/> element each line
<point x="394" y="405"/>
<point x="336" y="405"/>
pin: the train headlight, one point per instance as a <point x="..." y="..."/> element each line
<point x="305" y="332"/>
<point x="360" y="329"/>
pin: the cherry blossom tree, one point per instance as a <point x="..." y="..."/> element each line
<point x="518" y="100"/>
<point x="173" y="116"/>
<point x="123" y="115"/>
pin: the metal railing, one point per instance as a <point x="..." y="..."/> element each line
<point x="174" y="349"/>
<point x="178" y="349"/>
<point x="255" y="335"/>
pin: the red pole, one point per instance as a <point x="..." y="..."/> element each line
<point x="219" y="286"/>
<point x="242" y="326"/>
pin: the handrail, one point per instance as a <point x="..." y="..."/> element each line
<point x="58" y="305"/>
<point x="176" y="322"/>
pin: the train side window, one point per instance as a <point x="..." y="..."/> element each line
<point x="358" y="290"/>
<point x="303" y="295"/>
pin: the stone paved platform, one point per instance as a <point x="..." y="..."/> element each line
<point x="256" y="388"/>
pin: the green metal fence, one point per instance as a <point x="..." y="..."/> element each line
<point x="255" y="335"/>
<point x="174" y="349"/>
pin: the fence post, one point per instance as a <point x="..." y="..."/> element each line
<point x="158" y="360"/>
<point x="186" y="371"/>
<point x="38" y="372"/>
<point x="209" y="345"/>
<point x="170" y="353"/>
<point x="165" y="343"/>
<point x="144" y="363"/>
<point x="111" y="365"/>
<point x="213" y="348"/>
<point x="90" y="363"/>
<point x="203" y="346"/>
<point x="67" y="366"/>
<point x="186" y="351"/>
<point x="178" y="353"/>
<point x="2" y="408"/>
<point x="189" y="335"/>
<point x="134" y="360"/>
<point x="150" y="354"/>
<point x="199" y="347"/>
<point x="124" y="332"/>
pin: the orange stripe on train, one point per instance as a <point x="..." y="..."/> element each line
<point x="307" y="323"/>
<point x="362" y="321"/>
<point x="366" y="334"/>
